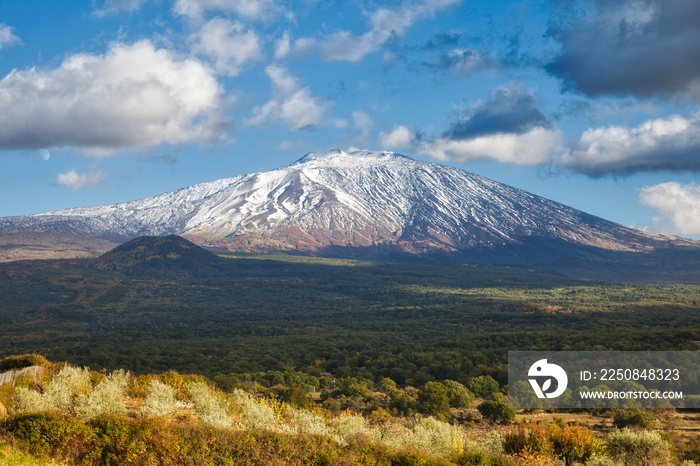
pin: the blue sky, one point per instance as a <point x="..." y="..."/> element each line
<point x="591" y="103"/>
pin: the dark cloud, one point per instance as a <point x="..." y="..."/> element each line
<point x="508" y="110"/>
<point x="629" y="47"/>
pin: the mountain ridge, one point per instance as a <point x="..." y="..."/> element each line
<point x="363" y="203"/>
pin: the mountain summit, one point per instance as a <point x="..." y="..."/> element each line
<point x="358" y="204"/>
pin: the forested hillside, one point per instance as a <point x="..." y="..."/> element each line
<point x="413" y="322"/>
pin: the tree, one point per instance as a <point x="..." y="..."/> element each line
<point x="483" y="386"/>
<point x="402" y="403"/>
<point x="457" y="394"/>
<point x="496" y="409"/>
<point x="356" y="391"/>
<point x="388" y="386"/>
<point x="296" y="396"/>
<point x="432" y="399"/>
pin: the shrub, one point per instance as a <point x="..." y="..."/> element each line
<point x="474" y="458"/>
<point x="638" y="448"/>
<point x="633" y="417"/>
<point x="692" y="452"/>
<point x="437" y="437"/>
<point x="306" y="422"/>
<point x="160" y="401"/>
<point x="497" y="409"/>
<point x="120" y="440"/>
<point x="256" y="414"/>
<point x="54" y="434"/>
<point x="29" y="401"/>
<point x="491" y="443"/>
<point x="526" y="439"/>
<point x="355" y="429"/>
<point x="180" y="382"/>
<point x="572" y="443"/>
<point x="65" y="387"/>
<point x="210" y="408"/>
<point x="22" y="361"/>
<point x="105" y="399"/>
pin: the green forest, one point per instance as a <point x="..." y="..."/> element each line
<point x="411" y="321"/>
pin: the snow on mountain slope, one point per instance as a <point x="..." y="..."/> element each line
<point x="371" y="200"/>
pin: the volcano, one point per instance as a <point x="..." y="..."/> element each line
<point x="361" y="204"/>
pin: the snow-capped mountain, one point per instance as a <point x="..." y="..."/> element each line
<point x="348" y="203"/>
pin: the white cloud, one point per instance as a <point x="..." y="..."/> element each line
<point x="361" y="120"/>
<point x="384" y="23"/>
<point x="75" y="181"/>
<point x="670" y="143"/>
<point x="290" y="104"/>
<point x="536" y="146"/>
<point x="134" y="96"/>
<point x="400" y="138"/>
<point x="282" y="46"/>
<point x="7" y="37"/>
<point x="678" y="203"/>
<point x="362" y="126"/>
<point x="228" y="44"/>
<point x="249" y="9"/>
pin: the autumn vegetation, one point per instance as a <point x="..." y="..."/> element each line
<point x="69" y="414"/>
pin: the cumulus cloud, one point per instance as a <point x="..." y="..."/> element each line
<point x="679" y="204"/>
<point x="534" y="147"/>
<point x="291" y="104"/>
<point x="671" y="143"/>
<point x="248" y="9"/>
<point x="229" y="44"/>
<point x="7" y="37"/>
<point x="508" y="128"/>
<point x="630" y="47"/>
<point x="75" y="181"/>
<point x="134" y="96"/>
<point x="384" y="23"/>
<point x="399" y="138"/>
